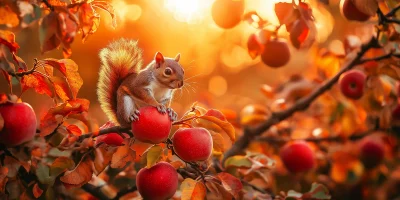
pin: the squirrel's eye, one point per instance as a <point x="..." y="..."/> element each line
<point x="168" y="72"/>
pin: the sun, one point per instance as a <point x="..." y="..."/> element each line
<point x="190" y="11"/>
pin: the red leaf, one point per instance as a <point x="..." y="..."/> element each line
<point x="302" y="33"/>
<point x="37" y="192"/>
<point x="232" y="184"/>
<point x="286" y="13"/>
<point x="254" y="46"/>
<point x="123" y="155"/>
<point x="8" y="38"/>
<point x="38" y="82"/>
<point x="47" y="32"/>
<point x="103" y="156"/>
<point x="74" y="130"/>
<point x="80" y="175"/>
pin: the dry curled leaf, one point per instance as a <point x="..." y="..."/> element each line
<point x="80" y="175"/>
<point x="231" y="184"/>
<point x="89" y="20"/>
<point x="103" y="156"/>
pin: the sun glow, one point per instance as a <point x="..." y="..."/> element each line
<point x="190" y="11"/>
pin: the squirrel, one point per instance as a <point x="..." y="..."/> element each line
<point x="124" y="87"/>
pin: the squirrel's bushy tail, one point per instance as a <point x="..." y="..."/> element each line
<point x="119" y="59"/>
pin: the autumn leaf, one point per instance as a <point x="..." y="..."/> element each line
<point x="302" y="33"/>
<point x="153" y="155"/>
<point x="102" y="158"/>
<point x="319" y="192"/>
<point x="70" y="70"/>
<point x="238" y="161"/>
<point x="60" y="165"/>
<point x="47" y="32"/>
<point x="8" y="38"/>
<point x="61" y="88"/>
<point x="74" y="130"/>
<point x="218" y="141"/>
<point x="8" y="17"/>
<point x="192" y="190"/>
<point x="37" y="191"/>
<point x="107" y="7"/>
<point x="38" y="82"/>
<point x="12" y="165"/>
<point x="90" y="20"/>
<point x="81" y="103"/>
<point x="3" y="178"/>
<point x="6" y="75"/>
<point x="286" y="13"/>
<point x="122" y="156"/>
<point x="67" y="29"/>
<point x="232" y="184"/>
<point x="80" y="175"/>
<point x="390" y="70"/>
<point x="368" y="7"/>
<point x="42" y="173"/>
<point x="226" y="126"/>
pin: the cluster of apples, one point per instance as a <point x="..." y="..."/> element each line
<point x="190" y="144"/>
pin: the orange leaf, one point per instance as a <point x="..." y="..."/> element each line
<point x="82" y="103"/>
<point x="226" y="126"/>
<point x="192" y="190"/>
<point x="8" y="38"/>
<point x="123" y="155"/>
<point x="74" y="130"/>
<point x="90" y="20"/>
<point x="60" y="165"/>
<point x="218" y="141"/>
<point x="8" y="17"/>
<point x="38" y="82"/>
<point x="103" y="155"/>
<point x="80" y="175"/>
<point x="107" y="7"/>
<point x="37" y="192"/>
<point x="61" y="87"/>
<point x="231" y="184"/>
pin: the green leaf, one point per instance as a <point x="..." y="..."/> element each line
<point x="319" y="192"/>
<point x="60" y="165"/>
<point x="42" y="172"/>
<point x="154" y="155"/>
<point x="192" y="190"/>
<point x="238" y="161"/>
<point x="225" y="125"/>
<point x="294" y="194"/>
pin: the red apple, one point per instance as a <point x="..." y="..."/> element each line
<point x="352" y="84"/>
<point x="297" y="156"/>
<point x="351" y="12"/>
<point x="227" y="13"/>
<point x="112" y="139"/>
<point x="192" y="144"/>
<point x="215" y="113"/>
<point x="158" y="182"/>
<point x="19" y="123"/>
<point x="371" y="152"/>
<point x="152" y="126"/>
<point x="276" y="53"/>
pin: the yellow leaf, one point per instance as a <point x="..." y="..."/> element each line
<point x="154" y="155"/>
<point x="226" y="126"/>
<point x="238" y="161"/>
<point x="218" y="141"/>
<point x="192" y="190"/>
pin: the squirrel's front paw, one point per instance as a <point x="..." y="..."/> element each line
<point x="172" y="114"/>
<point x="134" y="116"/>
<point x="161" y="108"/>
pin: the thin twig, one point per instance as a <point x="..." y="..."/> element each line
<point x="393" y="11"/>
<point x="124" y="192"/>
<point x="21" y="74"/>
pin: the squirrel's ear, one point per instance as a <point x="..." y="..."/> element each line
<point x="177" y="57"/>
<point x="159" y="58"/>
